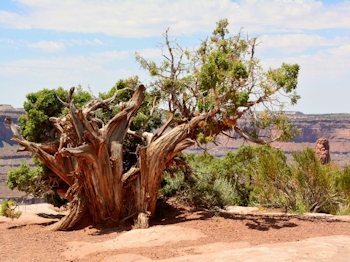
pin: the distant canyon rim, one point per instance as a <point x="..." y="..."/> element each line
<point x="334" y="127"/>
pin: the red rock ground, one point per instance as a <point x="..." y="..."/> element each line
<point x="177" y="231"/>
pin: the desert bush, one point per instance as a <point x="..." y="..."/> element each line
<point x="262" y="176"/>
<point x="269" y="177"/>
<point x="25" y="179"/>
<point x="304" y="185"/>
<point x="32" y="181"/>
<point x="320" y="188"/>
<point x="202" y="187"/>
<point x="8" y="209"/>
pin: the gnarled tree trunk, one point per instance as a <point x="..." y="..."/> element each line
<point x="88" y="157"/>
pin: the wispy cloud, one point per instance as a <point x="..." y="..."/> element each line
<point x="150" y="53"/>
<point x="324" y="66"/>
<point x="79" y="40"/>
<point x="149" y="18"/>
<point x="95" y="41"/>
<point x="6" y="41"/>
<point x="290" y="43"/>
<point x="87" y="62"/>
<point x="48" y="46"/>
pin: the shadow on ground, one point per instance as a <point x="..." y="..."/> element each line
<point x="170" y="213"/>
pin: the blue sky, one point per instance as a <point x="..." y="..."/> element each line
<point x="49" y="43"/>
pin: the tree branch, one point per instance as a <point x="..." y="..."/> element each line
<point x="13" y="128"/>
<point x="179" y="147"/>
<point x="131" y="174"/>
<point x="254" y="140"/>
<point x="52" y="162"/>
<point x="122" y="119"/>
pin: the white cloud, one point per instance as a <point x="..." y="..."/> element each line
<point x="87" y="62"/>
<point x="294" y="16"/>
<point x="75" y="42"/>
<point x="99" y="70"/>
<point x="289" y="26"/>
<point x="150" y="53"/>
<point x="299" y="42"/>
<point x="109" y="56"/>
<point x="95" y="41"/>
<point x="48" y="46"/>
<point x="136" y="18"/>
<point x="323" y="79"/>
<point x="7" y="41"/>
<point x="324" y="66"/>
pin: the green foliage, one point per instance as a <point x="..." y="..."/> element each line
<point x="305" y="185"/>
<point x="256" y="173"/>
<point x="40" y="106"/>
<point x="124" y="89"/>
<point x="29" y="180"/>
<point x="224" y="73"/>
<point x="202" y="188"/>
<point x="321" y="188"/>
<point x="36" y="127"/>
<point x="261" y="175"/>
<point x="286" y="77"/>
<point x="35" y="124"/>
<point x="26" y="179"/>
<point x="8" y="209"/>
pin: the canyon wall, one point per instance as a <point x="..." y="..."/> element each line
<point x="9" y="158"/>
<point x="335" y="127"/>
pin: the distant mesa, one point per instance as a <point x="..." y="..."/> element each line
<point x="5" y="108"/>
<point x="294" y="113"/>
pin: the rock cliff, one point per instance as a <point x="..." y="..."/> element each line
<point x="334" y="127"/>
<point x="9" y="158"/>
<point x="5" y="132"/>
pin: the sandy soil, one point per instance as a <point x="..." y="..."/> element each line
<point x="180" y="233"/>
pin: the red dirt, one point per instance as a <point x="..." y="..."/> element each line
<point x="178" y="231"/>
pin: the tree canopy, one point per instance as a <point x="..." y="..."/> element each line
<point x="223" y="79"/>
<point x="108" y="154"/>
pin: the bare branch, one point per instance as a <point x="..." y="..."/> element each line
<point x="83" y="151"/>
<point x="164" y="127"/>
<point x="131" y="174"/>
<point x="13" y="128"/>
<point x="123" y="118"/>
<point x="51" y="161"/>
<point x="179" y="147"/>
<point x="258" y="141"/>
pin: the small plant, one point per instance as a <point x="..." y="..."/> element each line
<point x="8" y="209"/>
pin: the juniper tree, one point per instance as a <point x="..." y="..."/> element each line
<point x="107" y="154"/>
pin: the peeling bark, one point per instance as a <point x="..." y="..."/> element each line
<point x="88" y="157"/>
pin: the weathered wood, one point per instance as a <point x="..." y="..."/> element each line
<point x="88" y="157"/>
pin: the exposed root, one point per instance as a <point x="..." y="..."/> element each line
<point x="142" y="221"/>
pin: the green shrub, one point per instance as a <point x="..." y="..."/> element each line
<point x="8" y="209"/>
<point x="261" y="175"/>
<point x="202" y="187"/>
<point x="321" y="188"/>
